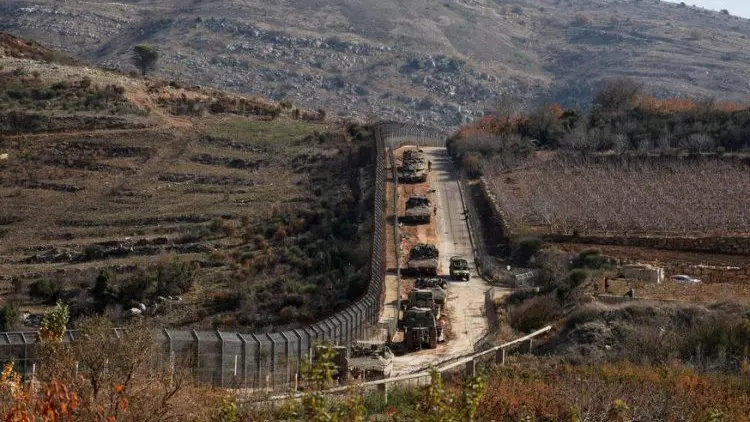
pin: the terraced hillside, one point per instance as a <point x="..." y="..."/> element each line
<point x="210" y="209"/>
<point x="442" y="62"/>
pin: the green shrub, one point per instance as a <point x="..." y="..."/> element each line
<point x="590" y="258"/>
<point x="577" y="277"/>
<point x="524" y="249"/>
<point x="9" y="315"/>
<point x="45" y="289"/>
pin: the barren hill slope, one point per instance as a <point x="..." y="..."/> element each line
<point x="443" y="62"/>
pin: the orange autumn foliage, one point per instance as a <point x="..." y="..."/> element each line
<point x="547" y="390"/>
<point x="26" y="401"/>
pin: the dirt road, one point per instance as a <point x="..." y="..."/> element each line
<point x="465" y="308"/>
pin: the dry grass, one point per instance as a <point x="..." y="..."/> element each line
<point x="669" y="290"/>
<point x="189" y="187"/>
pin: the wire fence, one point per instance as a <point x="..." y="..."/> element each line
<point x="265" y="361"/>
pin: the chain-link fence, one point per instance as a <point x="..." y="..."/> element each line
<point x="267" y="361"/>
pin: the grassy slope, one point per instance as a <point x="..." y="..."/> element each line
<point x="156" y="188"/>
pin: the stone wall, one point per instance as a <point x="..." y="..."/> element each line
<point x="711" y="274"/>
<point x="497" y="217"/>
<point x="733" y="245"/>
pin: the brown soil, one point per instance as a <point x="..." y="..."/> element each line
<point x="703" y="292"/>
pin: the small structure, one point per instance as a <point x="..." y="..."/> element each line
<point x="642" y="272"/>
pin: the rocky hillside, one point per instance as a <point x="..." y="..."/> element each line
<point x="441" y="62"/>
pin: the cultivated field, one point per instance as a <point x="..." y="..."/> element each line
<point x="603" y="195"/>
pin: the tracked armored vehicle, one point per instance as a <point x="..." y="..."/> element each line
<point x="430" y="283"/>
<point x="421" y="328"/>
<point x="433" y="299"/>
<point x="362" y="359"/>
<point x="370" y="360"/>
<point x="410" y="175"/>
<point x="418" y="209"/>
<point x="423" y="260"/>
<point x="459" y="268"/>
<point x="413" y="167"/>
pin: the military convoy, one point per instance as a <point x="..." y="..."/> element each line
<point x="418" y="209"/>
<point x="423" y="260"/>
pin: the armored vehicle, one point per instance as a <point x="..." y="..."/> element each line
<point x="370" y="360"/>
<point x="340" y="360"/>
<point x="433" y="299"/>
<point x="430" y="283"/>
<point x="423" y="259"/>
<point x="413" y="167"/>
<point x="459" y="268"/>
<point x="414" y="159"/>
<point x="422" y="328"/>
<point x="410" y="175"/>
<point x="437" y="286"/>
<point x="418" y="209"/>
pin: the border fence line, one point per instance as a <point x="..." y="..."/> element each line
<point x="467" y="363"/>
<point x="267" y="361"/>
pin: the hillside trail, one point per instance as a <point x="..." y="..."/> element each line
<point x="467" y="321"/>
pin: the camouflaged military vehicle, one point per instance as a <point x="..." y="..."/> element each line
<point x="436" y="285"/>
<point x="459" y="268"/>
<point x="422" y="328"/>
<point x="414" y="159"/>
<point x="418" y="209"/>
<point x="423" y="260"/>
<point x="430" y="283"/>
<point x="409" y="175"/>
<point x="370" y="360"/>
<point x="433" y="299"/>
<point x="413" y="167"/>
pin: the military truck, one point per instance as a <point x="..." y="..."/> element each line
<point x="418" y="209"/>
<point x="371" y="360"/>
<point x="433" y="299"/>
<point x="459" y="268"/>
<point x="423" y="260"/>
<point x="422" y="328"/>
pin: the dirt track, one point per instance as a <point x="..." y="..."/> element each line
<point x="465" y="308"/>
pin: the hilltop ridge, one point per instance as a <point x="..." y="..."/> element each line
<point x="441" y="63"/>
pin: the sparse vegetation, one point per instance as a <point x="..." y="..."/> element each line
<point x="145" y="57"/>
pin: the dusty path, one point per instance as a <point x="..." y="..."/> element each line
<point x="465" y="309"/>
